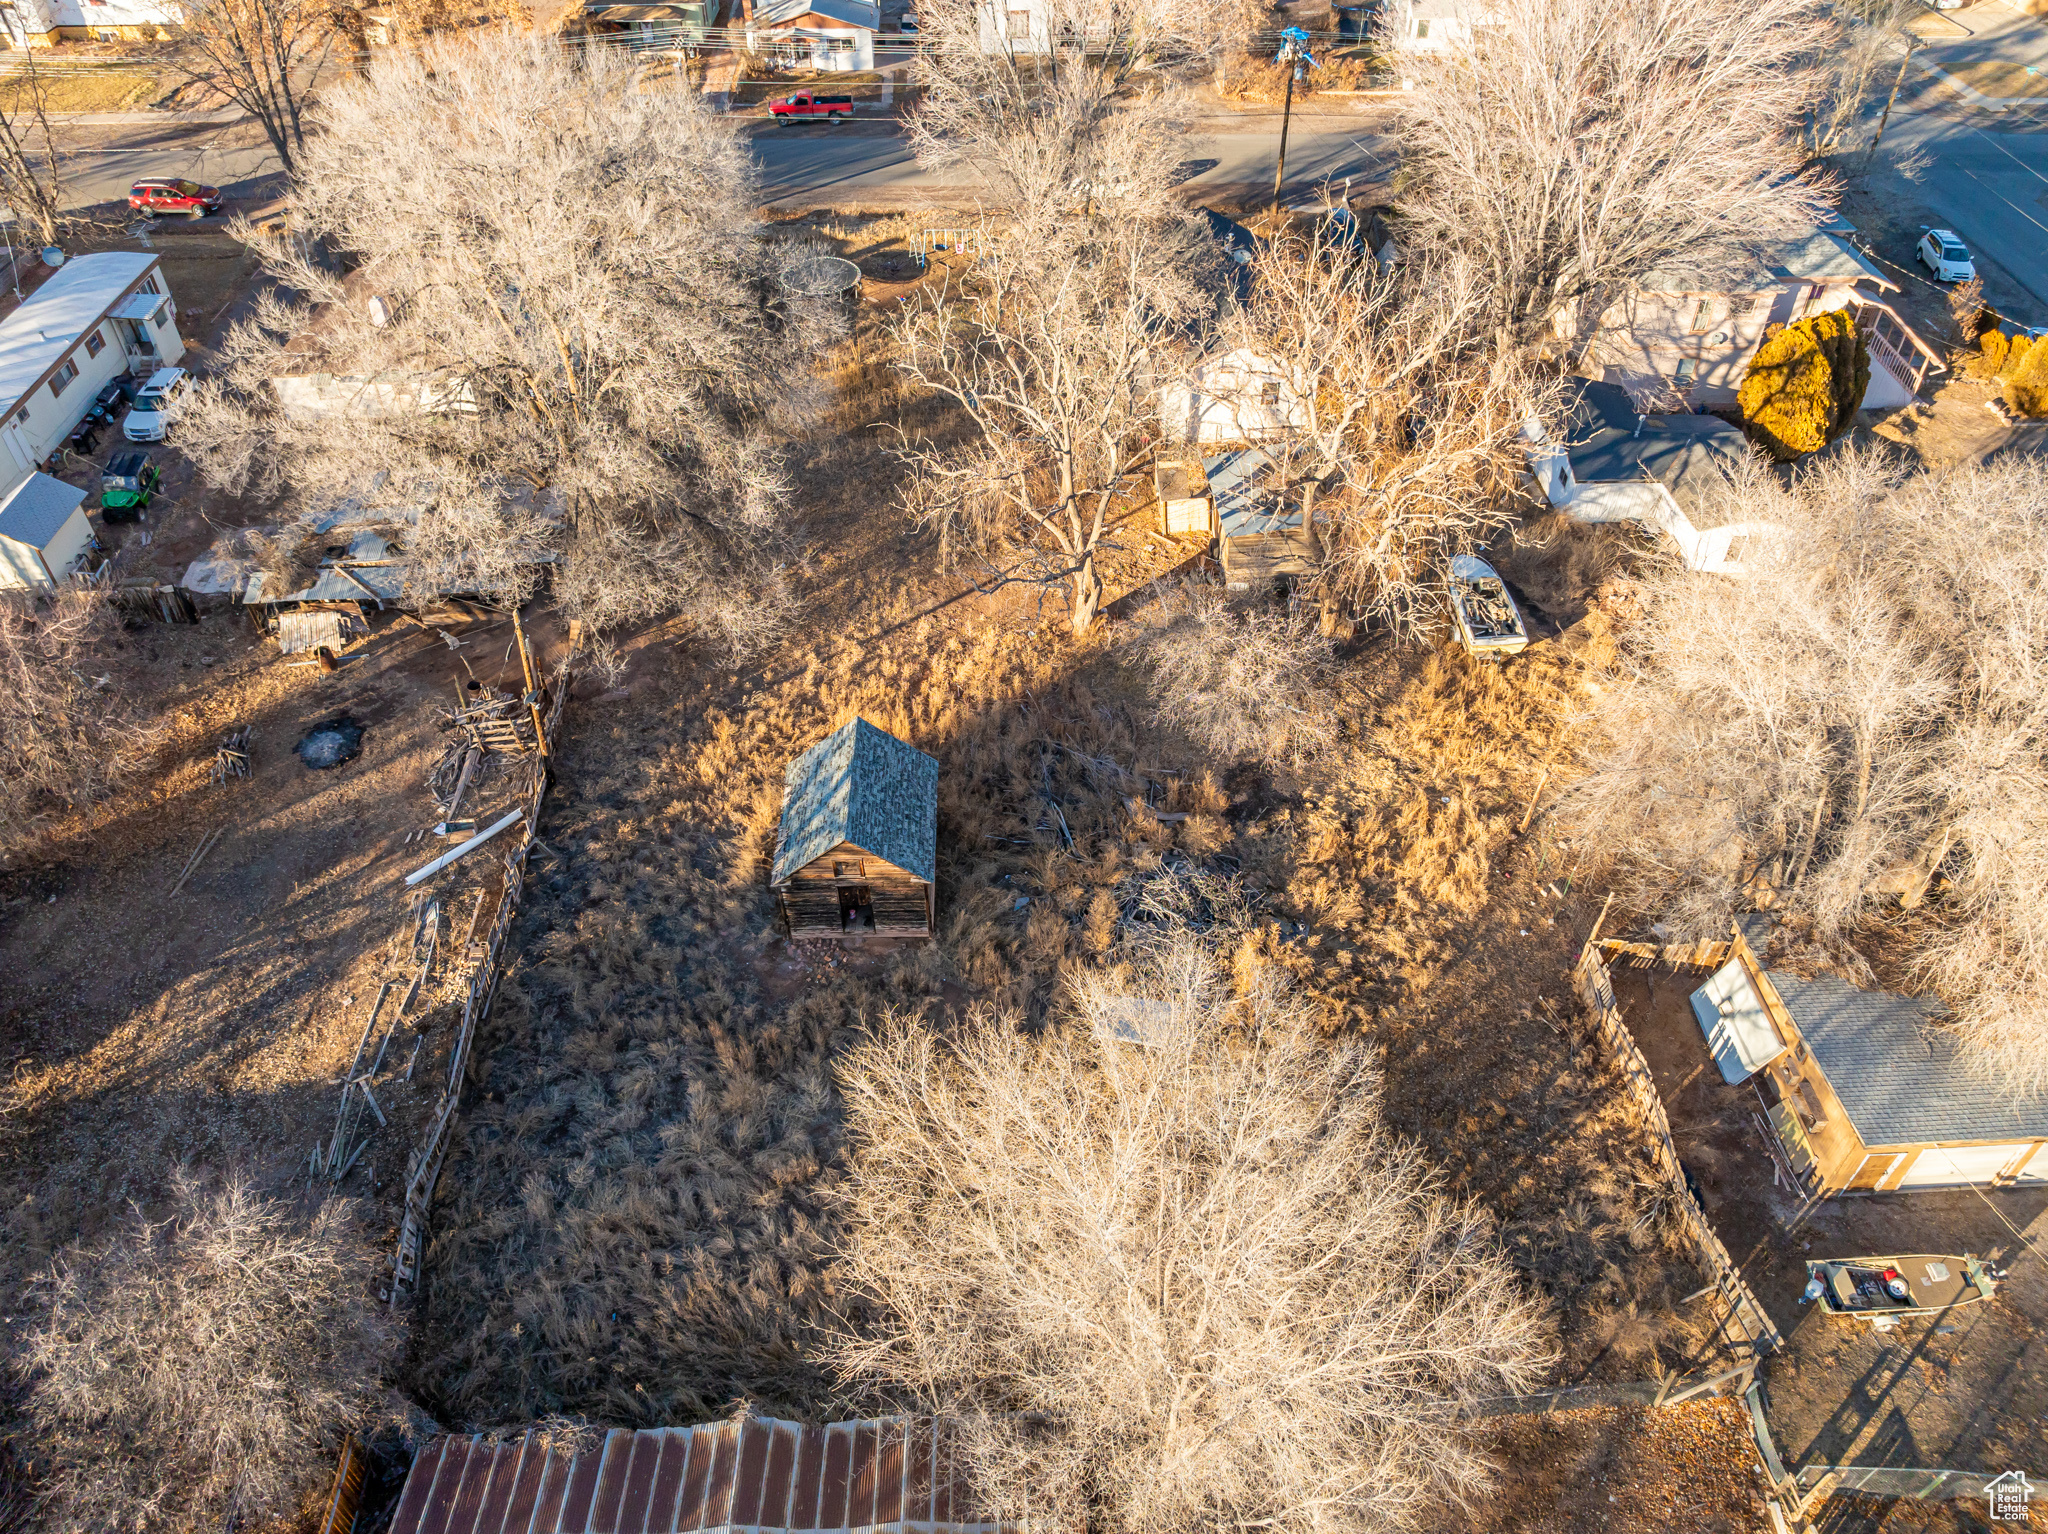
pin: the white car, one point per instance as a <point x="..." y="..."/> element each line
<point x="1943" y="254"/>
<point x="145" y="419"/>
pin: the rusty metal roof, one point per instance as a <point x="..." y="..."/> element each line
<point x="893" y="1475"/>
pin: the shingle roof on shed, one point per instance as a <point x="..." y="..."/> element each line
<point x="862" y="785"/>
<point x="38" y="509"/>
<point x="1902" y="1080"/>
<point x="759" y="1474"/>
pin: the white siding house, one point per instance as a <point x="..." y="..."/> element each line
<point x="43" y="23"/>
<point x="44" y="535"/>
<point x="835" y="36"/>
<point x="1433" y="26"/>
<point x="1234" y="396"/>
<point x="94" y="319"/>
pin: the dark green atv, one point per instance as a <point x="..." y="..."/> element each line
<point x="127" y="486"/>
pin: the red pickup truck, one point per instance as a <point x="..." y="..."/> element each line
<point x="804" y="104"/>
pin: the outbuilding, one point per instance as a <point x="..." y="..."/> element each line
<point x="95" y="318"/>
<point x="1865" y="1092"/>
<point x="858" y="846"/>
<point x="44" y="534"/>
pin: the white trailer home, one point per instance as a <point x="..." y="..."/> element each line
<point x="97" y="317"/>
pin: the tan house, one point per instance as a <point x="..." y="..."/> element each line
<point x="1865" y="1092"/>
<point x="857" y="852"/>
<point x="1685" y="336"/>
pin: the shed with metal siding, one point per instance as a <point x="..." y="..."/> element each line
<point x="891" y="1475"/>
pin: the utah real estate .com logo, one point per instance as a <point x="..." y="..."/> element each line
<point x="2008" y="1496"/>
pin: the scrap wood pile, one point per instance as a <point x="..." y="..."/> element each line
<point x="497" y="721"/>
<point x="482" y="946"/>
<point x="231" y="758"/>
<point x="345" y="1147"/>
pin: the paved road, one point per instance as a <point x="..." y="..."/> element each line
<point x="816" y="162"/>
<point x="800" y="163"/>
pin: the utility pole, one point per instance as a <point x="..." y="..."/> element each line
<point x="1293" y="50"/>
<point x="1897" y="81"/>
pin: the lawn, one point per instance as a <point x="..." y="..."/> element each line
<point x="112" y="87"/>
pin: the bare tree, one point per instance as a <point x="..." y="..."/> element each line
<point x="1577" y="143"/>
<point x="1861" y="721"/>
<point x="199" y="1371"/>
<point x="563" y="337"/>
<point x="31" y="181"/>
<point x="1243" y="681"/>
<point x="1402" y="419"/>
<point x="1070" y="101"/>
<point x="1853" y="65"/>
<point x="1175" y="1283"/>
<point x="68" y="735"/>
<point x="263" y="56"/>
<point x="1049" y="347"/>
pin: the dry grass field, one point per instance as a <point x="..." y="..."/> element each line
<point x="633" y="1222"/>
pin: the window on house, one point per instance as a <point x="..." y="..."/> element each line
<point x="1738" y="547"/>
<point x="1020" y="26"/>
<point x="1270" y="396"/>
<point x="1422" y="29"/>
<point x="149" y="285"/>
<point x="1703" y="316"/>
<point x="95" y="344"/>
<point x="63" y="377"/>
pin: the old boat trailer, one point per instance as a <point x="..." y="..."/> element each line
<point x="1887" y="1290"/>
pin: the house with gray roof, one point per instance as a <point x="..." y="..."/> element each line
<point x="833" y="36"/>
<point x="44" y="534"/>
<point x="1866" y="1091"/>
<point x="1667" y="472"/>
<point x="857" y="852"/>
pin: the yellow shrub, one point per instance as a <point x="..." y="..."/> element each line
<point x="1804" y="385"/>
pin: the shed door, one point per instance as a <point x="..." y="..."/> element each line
<point x="1951" y="1167"/>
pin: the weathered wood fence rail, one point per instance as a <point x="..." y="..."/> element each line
<point x="425" y="1165"/>
<point x="1596" y="989"/>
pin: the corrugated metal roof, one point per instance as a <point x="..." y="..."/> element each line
<point x="890" y="1474"/>
<point x="384" y="580"/>
<point x="1245" y="501"/>
<point x="1902" y="1080"/>
<point x="862" y="785"/>
<point x="1815" y="255"/>
<point x="852" y="13"/>
<point x="37" y="510"/>
<point x="51" y="319"/>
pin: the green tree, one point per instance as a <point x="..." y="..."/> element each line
<point x="1805" y="383"/>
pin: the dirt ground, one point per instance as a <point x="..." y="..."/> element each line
<point x="1968" y="1391"/>
<point x="1687" y="1469"/>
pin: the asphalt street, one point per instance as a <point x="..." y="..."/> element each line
<point x="810" y="162"/>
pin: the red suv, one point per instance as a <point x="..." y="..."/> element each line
<point x="186" y="197"/>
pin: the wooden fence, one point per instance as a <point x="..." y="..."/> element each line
<point x="424" y="1170"/>
<point x="1596" y="988"/>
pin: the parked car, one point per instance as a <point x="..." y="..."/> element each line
<point x="128" y="485"/>
<point x="1945" y="256"/>
<point x="804" y="104"/>
<point x="156" y="198"/>
<point x="908" y="25"/>
<point x="145" y="422"/>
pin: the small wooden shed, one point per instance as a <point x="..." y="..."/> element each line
<point x="1260" y="538"/>
<point x="859" y="841"/>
